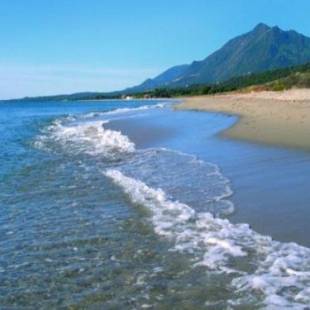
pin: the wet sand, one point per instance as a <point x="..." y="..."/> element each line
<point x="276" y="118"/>
<point x="143" y="135"/>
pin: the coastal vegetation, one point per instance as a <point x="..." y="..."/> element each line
<point x="273" y="80"/>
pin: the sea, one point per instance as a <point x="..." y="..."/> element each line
<point x="124" y="204"/>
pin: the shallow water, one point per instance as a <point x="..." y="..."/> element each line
<point x="270" y="183"/>
<point x="139" y="208"/>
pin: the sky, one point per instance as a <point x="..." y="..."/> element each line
<point x="66" y="46"/>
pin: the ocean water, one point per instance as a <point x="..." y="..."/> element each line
<point x="132" y="205"/>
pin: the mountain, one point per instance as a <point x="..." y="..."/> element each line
<point x="165" y="78"/>
<point x="263" y="48"/>
<point x="271" y="80"/>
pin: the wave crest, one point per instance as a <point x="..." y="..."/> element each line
<point x="84" y="137"/>
<point x="120" y="111"/>
<point x="274" y="274"/>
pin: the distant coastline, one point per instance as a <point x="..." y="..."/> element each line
<point x="273" y="80"/>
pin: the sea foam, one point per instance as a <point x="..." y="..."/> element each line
<point x="84" y="137"/>
<point x="174" y="172"/>
<point x="120" y="111"/>
<point x="261" y="271"/>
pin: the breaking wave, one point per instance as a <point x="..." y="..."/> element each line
<point x="183" y="177"/>
<point x="84" y="137"/>
<point x="125" y="110"/>
<point x="261" y="271"/>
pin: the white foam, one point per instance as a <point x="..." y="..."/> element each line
<point x="159" y="166"/>
<point x="85" y="137"/>
<point x="86" y="133"/>
<point x="266" y="272"/>
<point x="142" y="108"/>
<point x="125" y="110"/>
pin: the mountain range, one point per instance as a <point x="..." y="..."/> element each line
<point x="263" y="48"/>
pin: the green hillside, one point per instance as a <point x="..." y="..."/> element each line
<point x="276" y="80"/>
<point x="263" y="48"/>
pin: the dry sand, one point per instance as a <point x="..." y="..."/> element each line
<point x="277" y="118"/>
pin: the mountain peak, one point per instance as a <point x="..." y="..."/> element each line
<point x="263" y="48"/>
<point x="277" y="29"/>
<point x="261" y="27"/>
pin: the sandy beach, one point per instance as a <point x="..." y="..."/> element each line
<point x="277" y="118"/>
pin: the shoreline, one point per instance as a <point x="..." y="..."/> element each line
<point x="272" y="118"/>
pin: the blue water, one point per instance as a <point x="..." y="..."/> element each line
<point x="130" y="204"/>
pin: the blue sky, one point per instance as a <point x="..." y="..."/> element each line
<point x="64" y="46"/>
